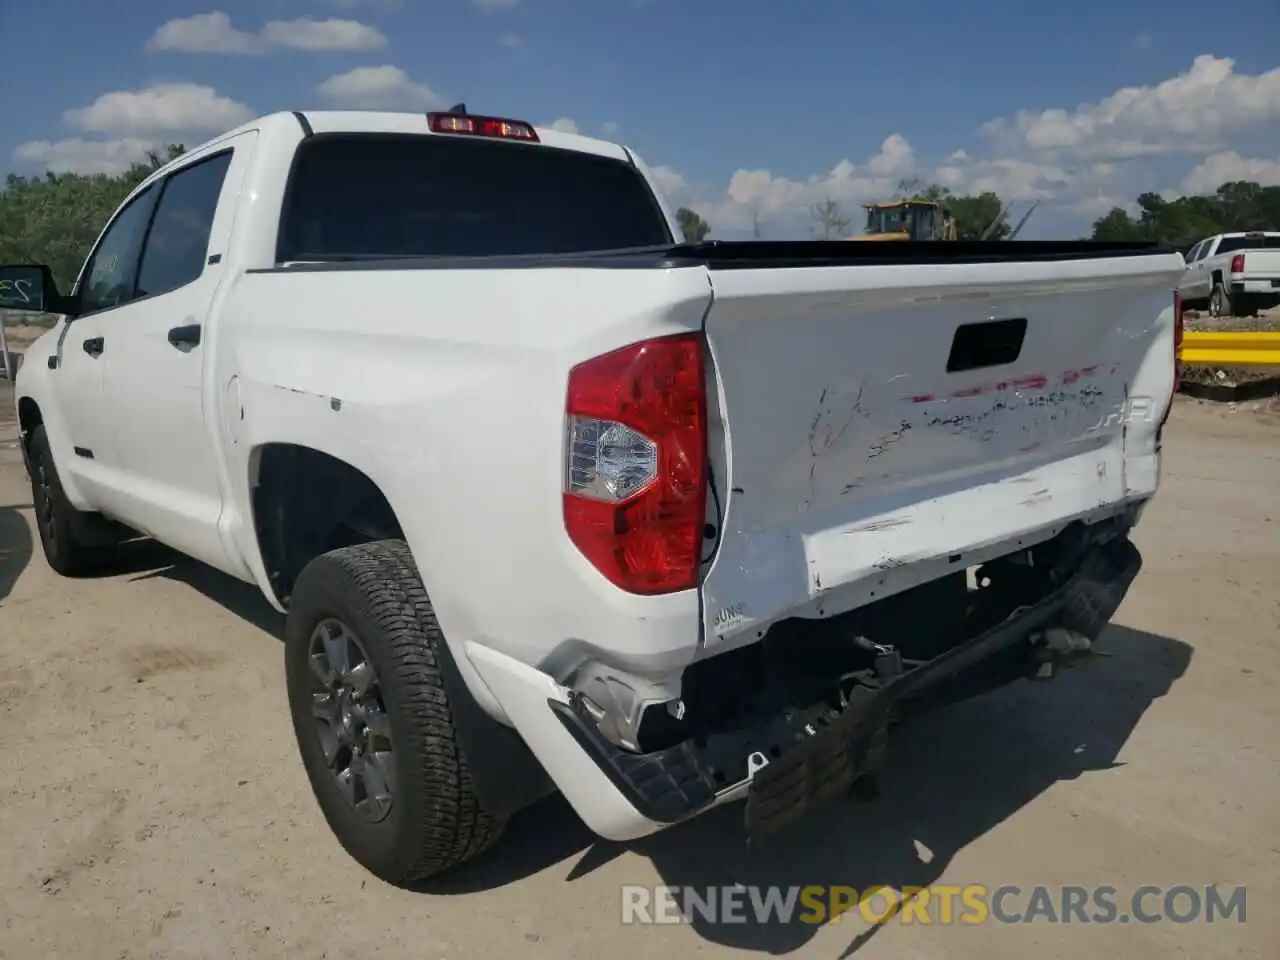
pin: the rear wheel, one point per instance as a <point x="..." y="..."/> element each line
<point x="372" y="717"/>
<point x="1219" y="301"/>
<point x="62" y="527"/>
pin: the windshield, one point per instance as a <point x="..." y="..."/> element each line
<point x="381" y="195"/>
<point x="886" y="220"/>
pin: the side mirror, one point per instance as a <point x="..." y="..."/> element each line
<point x="31" y="288"/>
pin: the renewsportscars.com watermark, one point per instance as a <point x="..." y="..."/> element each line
<point x="939" y="904"/>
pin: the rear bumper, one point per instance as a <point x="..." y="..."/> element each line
<point x="622" y="795"/>
<point x="1269" y="286"/>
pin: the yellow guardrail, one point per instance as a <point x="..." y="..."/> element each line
<point x="1230" y="348"/>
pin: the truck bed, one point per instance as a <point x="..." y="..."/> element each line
<point x="760" y="254"/>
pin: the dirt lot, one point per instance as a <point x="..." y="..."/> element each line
<point x="153" y="806"/>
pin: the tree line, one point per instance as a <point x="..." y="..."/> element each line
<point x="830" y="220"/>
<point x="1180" y="222"/>
<point x="1184" y="221"/>
<point x="55" y="218"/>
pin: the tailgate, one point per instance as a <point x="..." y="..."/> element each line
<point x="885" y="424"/>
<point x="1260" y="265"/>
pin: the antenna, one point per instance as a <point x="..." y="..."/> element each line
<point x="459" y="108"/>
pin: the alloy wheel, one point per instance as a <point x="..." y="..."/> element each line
<point x="351" y="719"/>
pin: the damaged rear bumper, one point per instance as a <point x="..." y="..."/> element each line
<point x="784" y="770"/>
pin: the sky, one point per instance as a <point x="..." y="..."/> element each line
<point x="749" y="112"/>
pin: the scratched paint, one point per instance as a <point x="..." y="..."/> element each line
<point x="848" y="440"/>
<point x="833" y="417"/>
<point x="831" y="423"/>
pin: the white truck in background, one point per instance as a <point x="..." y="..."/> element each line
<point x="554" y="501"/>
<point x="1233" y="274"/>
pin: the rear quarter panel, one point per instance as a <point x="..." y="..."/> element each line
<point x="447" y="389"/>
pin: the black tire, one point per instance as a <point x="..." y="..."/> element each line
<point x="62" y="527"/>
<point x="1219" y="301"/>
<point x="435" y="821"/>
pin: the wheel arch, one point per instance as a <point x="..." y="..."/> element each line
<point x="305" y="502"/>
<point x="292" y="527"/>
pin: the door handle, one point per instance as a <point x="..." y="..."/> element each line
<point x="94" y="346"/>
<point x="188" y="336"/>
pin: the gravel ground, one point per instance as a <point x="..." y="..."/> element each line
<point x="1266" y="322"/>
<point x="153" y="805"/>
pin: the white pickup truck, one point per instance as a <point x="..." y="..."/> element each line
<point x="1233" y="274"/>
<point x="555" y="501"/>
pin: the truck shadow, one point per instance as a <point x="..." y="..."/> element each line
<point x="144" y="559"/>
<point x="951" y="777"/>
<point x="16" y="546"/>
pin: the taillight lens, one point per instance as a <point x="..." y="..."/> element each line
<point x="1237" y="263"/>
<point x="636" y="463"/>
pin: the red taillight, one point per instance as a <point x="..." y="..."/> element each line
<point x="635" y="482"/>
<point x="481" y="126"/>
<point x="1237" y="263"/>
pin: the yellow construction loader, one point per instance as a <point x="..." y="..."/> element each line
<point x="908" y="220"/>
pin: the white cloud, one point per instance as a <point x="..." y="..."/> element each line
<point x="203" y="33"/>
<point x="372" y="4"/>
<point x="1100" y="204"/>
<point x="610" y="128"/>
<point x="77" y="155"/>
<point x="1012" y="179"/>
<point x="1227" y="167"/>
<point x="1078" y="162"/>
<point x="670" y="183"/>
<point x="512" y="41"/>
<point x="1186" y="113"/>
<point x="896" y="158"/>
<point x="323" y="35"/>
<point x="563" y="124"/>
<point x="758" y="193"/>
<point x="215" y="33"/>
<point x="378" y="88"/>
<point x="162" y="108"/>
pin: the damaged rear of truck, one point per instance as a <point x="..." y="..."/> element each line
<point x="922" y="467"/>
<point x="553" y="501"/>
<point x="702" y="523"/>
<point x="658" y="525"/>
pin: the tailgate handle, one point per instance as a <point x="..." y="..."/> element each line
<point x="992" y="343"/>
